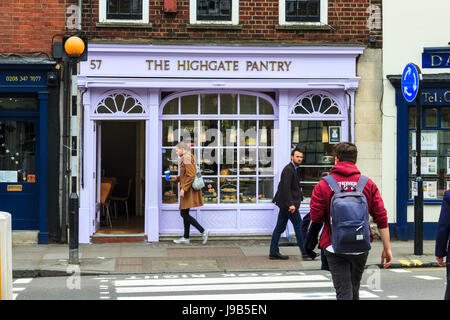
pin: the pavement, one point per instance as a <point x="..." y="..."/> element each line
<point x="167" y="257"/>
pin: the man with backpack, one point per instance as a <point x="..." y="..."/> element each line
<point x="343" y="201"/>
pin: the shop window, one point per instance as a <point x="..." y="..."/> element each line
<point x="235" y="155"/>
<point x="128" y="11"/>
<point x="121" y="103"/>
<point x="293" y="12"/>
<point x="17" y="151"/>
<point x="435" y="152"/>
<point x="316" y="104"/>
<point x="214" y="11"/>
<point x="18" y="103"/>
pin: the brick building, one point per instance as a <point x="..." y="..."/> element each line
<point x="30" y="116"/>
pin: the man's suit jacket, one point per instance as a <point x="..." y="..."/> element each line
<point x="289" y="191"/>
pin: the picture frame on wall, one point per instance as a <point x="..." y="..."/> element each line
<point x="334" y="134"/>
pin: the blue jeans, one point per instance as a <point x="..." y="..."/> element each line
<point x="283" y="216"/>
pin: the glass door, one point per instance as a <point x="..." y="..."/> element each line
<point x="19" y="177"/>
<point x="316" y="140"/>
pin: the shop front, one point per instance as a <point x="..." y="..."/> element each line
<point x="435" y="159"/>
<point x="242" y="108"/>
<point x="28" y="92"/>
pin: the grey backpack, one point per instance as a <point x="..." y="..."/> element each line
<point x="349" y="217"/>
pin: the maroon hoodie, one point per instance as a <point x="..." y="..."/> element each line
<point x="345" y="173"/>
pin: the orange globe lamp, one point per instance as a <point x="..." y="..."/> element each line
<point x="74" y="46"/>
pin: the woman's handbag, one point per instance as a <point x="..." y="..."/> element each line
<point x="198" y="183"/>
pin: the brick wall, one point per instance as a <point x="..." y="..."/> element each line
<point x="258" y="21"/>
<point x="28" y="25"/>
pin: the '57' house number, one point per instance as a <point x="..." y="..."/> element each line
<point x="95" y="64"/>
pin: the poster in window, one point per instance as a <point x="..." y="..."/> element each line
<point x="430" y="189"/>
<point x="429" y="141"/>
<point x="334" y="134"/>
<point x="428" y="165"/>
<point x="448" y="185"/>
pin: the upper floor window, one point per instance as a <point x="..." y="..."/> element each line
<point x="214" y="11"/>
<point x="124" y="11"/>
<point x="313" y="12"/>
<point x="303" y="10"/>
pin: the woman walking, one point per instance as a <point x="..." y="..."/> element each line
<point x="189" y="198"/>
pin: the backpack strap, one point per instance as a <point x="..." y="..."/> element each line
<point x="361" y="183"/>
<point x="332" y="183"/>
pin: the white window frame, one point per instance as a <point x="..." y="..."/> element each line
<point x="323" y="15"/>
<point x="102" y="14"/>
<point x="234" y="14"/>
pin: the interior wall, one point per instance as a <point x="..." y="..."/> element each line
<point x="119" y="156"/>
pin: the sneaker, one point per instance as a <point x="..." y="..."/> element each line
<point x="205" y="236"/>
<point x="182" y="240"/>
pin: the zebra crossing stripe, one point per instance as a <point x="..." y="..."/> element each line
<point x="224" y="287"/>
<point x="253" y="296"/>
<point x="193" y="281"/>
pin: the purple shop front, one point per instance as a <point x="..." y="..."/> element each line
<point x="242" y="108"/>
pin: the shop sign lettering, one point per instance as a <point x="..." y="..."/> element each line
<point x="219" y="65"/>
<point x="437" y="97"/>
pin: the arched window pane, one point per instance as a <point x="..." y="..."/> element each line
<point x="171" y="107"/>
<point x="228" y="103"/>
<point x="265" y="107"/>
<point x="247" y="104"/>
<point x="189" y="104"/>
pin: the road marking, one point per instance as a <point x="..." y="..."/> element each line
<point x="222" y="287"/>
<point x="392" y="297"/>
<point x="18" y="289"/>
<point x="417" y="262"/>
<point x="253" y="296"/>
<point x="405" y="262"/>
<point x="193" y="281"/>
<point x="427" y="277"/>
<point x="399" y="270"/>
<point x="23" y="281"/>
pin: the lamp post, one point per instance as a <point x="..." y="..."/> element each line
<point x="74" y="48"/>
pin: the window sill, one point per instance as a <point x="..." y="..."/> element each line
<point x="123" y="25"/>
<point x="307" y="27"/>
<point x="213" y="26"/>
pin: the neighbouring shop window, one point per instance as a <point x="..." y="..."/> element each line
<point x="214" y="9"/>
<point x="124" y="9"/>
<point x="17" y="151"/>
<point x="303" y="10"/>
<point x="235" y="154"/>
<point x="316" y="140"/>
<point x="435" y="154"/>
<point x="12" y="103"/>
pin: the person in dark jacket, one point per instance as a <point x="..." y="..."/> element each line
<point x="288" y="198"/>
<point x="443" y="240"/>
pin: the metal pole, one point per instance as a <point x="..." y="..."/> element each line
<point x="73" y="221"/>
<point x="74" y="200"/>
<point x="418" y="200"/>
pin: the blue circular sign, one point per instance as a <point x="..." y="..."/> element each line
<point x="410" y="82"/>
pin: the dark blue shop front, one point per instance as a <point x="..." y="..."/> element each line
<point x="435" y="158"/>
<point x="24" y="95"/>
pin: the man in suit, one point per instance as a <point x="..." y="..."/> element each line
<point x="288" y="198"/>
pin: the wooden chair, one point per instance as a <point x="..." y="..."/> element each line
<point x="105" y="191"/>
<point x="124" y="198"/>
